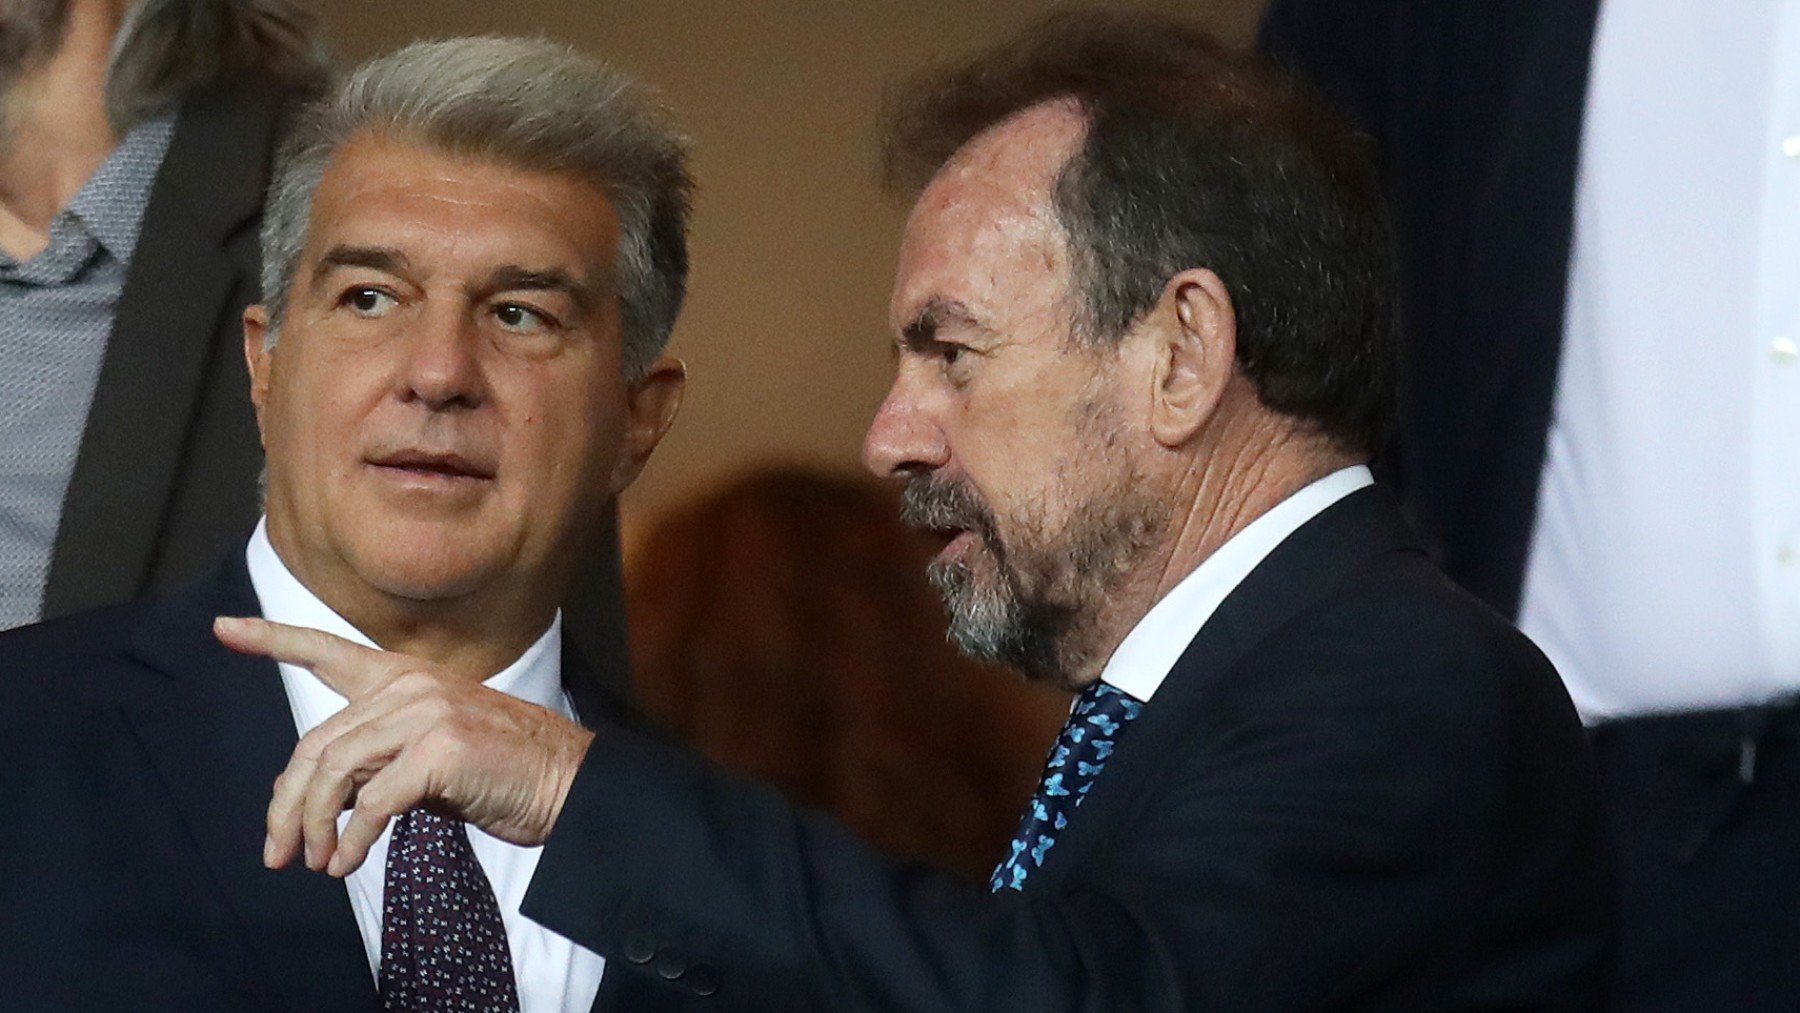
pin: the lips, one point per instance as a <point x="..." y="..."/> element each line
<point x="955" y="540"/>
<point x="440" y="464"/>
<point x="946" y="509"/>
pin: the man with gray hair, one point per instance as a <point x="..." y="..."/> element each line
<point x="135" y="143"/>
<point x="1143" y="354"/>
<point x="474" y="254"/>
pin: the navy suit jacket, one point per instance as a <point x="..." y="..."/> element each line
<point x="137" y="756"/>
<point x="1477" y="111"/>
<point x="1358" y="789"/>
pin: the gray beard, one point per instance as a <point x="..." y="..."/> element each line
<point x="992" y="623"/>
<point x="1040" y="615"/>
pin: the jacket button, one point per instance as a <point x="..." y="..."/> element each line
<point x="640" y="946"/>
<point x="671" y="963"/>
<point x="703" y="979"/>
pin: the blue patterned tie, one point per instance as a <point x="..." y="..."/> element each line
<point x="443" y="944"/>
<point x="1100" y="716"/>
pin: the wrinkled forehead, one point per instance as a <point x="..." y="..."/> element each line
<point x="464" y="211"/>
<point x="989" y="213"/>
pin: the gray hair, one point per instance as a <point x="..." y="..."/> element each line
<point x="165" y="48"/>
<point x="527" y="103"/>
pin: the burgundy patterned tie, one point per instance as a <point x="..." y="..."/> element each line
<point x="443" y="945"/>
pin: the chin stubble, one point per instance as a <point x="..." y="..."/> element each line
<point x="1041" y="612"/>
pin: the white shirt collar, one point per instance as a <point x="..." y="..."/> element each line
<point x="553" y="973"/>
<point x="535" y="677"/>
<point x="1143" y="659"/>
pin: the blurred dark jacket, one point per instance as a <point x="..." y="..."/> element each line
<point x="1477" y="112"/>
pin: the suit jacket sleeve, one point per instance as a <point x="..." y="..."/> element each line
<point x="1329" y="826"/>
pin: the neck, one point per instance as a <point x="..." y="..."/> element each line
<point x="472" y="636"/>
<point x="55" y="128"/>
<point x="1244" y="467"/>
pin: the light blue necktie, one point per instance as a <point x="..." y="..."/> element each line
<point x="1094" y="726"/>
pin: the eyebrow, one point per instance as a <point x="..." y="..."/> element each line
<point x="507" y="278"/>
<point x="512" y="278"/>
<point x="932" y="317"/>
<point x="385" y="259"/>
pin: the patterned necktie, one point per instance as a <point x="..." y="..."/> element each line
<point x="1087" y="739"/>
<point x="443" y="945"/>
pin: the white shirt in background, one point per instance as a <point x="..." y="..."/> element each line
<point x="1664" y="569"/>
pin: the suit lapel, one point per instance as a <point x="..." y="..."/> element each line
<point x="218" y="737"/>
<point x="178" y="289"/>
<point x="1303" y="569"/>
<point x="593" y="697"/>
<point x="596" y="706"/>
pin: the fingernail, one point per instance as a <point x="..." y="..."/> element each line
<point x="335" y="868"/>
<point x="268" y="852"/>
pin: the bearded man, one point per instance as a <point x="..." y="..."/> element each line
<point x="1144" y="351"/>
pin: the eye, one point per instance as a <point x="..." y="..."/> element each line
<point x="949" y="352"/>
<point x="524" y="319"/>
<point x="368" y="302"/>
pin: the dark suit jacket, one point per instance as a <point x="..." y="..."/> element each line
<point x="1477" y="111"/>
<point x="166" y="480"/>
<point x="137" y="756"/>
<point x="1358" y="789"/>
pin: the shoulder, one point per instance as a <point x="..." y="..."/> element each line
<point x="68" y="640"/>
<point x="1408" y="652"/>
<point x="72" y="662"/>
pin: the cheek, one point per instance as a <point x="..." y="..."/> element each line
<point x="330" y="391"/>
<point x="563" y="438"/>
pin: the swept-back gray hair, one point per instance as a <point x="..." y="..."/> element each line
<point x="526" y="103"/>
<point x="164" y="48"/>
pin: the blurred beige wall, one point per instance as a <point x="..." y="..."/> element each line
<point x="793" y="242"/>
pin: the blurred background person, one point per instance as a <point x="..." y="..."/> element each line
<point x="135" y="144"/>
<point x="783" y="625"/>
<point x="1598" y="209"/>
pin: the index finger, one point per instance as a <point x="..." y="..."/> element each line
<point x="351" y="669"/>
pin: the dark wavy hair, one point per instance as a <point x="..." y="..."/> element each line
<point x="1194" y="156"/>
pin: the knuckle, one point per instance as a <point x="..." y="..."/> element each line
<point x="336" y="759"/>
<point x="445" y="742"/>
<point x="414" y="682"/>
<point x="312" y="744"/>
<point x="437" y="710"/>
<point x="378" y="800"/>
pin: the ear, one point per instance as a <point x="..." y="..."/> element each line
<point x="650" y="407"/>
<point x="256" y="356"/>
<point x="1196" y="355"/>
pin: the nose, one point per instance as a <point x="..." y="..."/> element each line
<point x="443" y="368"/>
<point x="903" y="439"/>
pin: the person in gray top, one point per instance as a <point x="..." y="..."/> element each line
<point x="135" y="144"/>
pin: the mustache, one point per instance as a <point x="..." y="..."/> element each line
<point x="945" y="504"/>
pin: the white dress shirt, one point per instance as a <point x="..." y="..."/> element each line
<point x="1664" y="569"/>
<point x="553" y="973"/>
<point x="1143" y="659"/>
